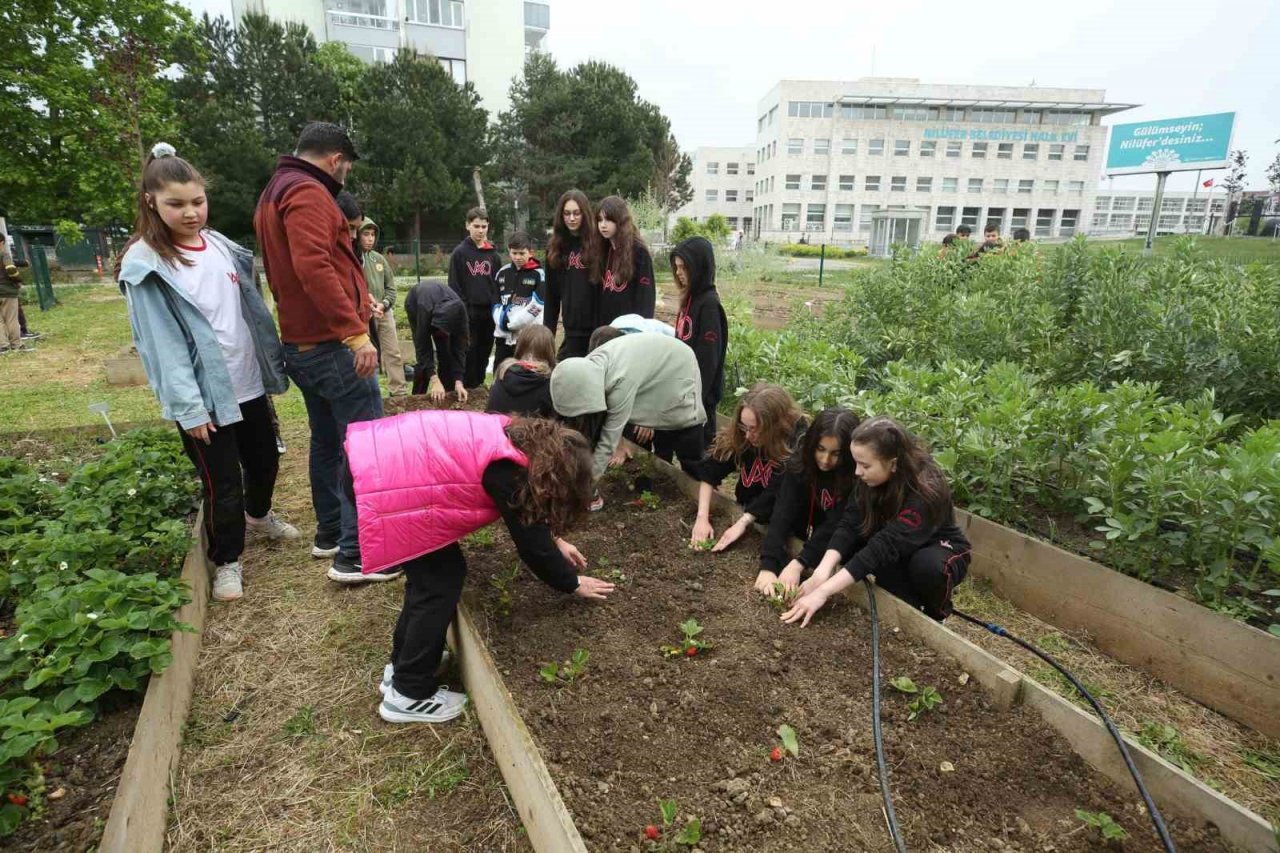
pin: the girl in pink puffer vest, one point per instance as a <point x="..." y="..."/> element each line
<point x="423" y="480"/>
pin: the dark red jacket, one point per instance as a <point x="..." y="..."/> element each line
<point x="316" y="279"/>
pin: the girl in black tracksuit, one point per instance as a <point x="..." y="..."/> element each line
<point x="572" y="296"/>
<point x="624" y="267"/>
<point x="700" y="320"/>
<point x="766" y="427"/>
<point x="811" y="500"/>
<point x="899" y="526"/>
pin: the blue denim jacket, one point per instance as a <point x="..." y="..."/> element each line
<point x="179" y="349"/>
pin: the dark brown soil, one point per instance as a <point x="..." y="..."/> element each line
<point x="639" y="728"/>
<point x="86" y="770"/>
<point x="416" y="402"/>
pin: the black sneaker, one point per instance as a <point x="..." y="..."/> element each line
<point x="349" y="570"/>
<point x="29" y="335"/>
<point x="323" y="547"/>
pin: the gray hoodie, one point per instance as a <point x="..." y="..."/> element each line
<point x="647" y="379"/>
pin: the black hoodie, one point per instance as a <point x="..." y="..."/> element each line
<point x="759" y="478"/>
<point x="571" y="296"/>
<point x="806" y="510"/>
<point x="637" y="296"/>
<point x="522" y="390"/>
<point x="471" y="272"/>
<point x="700" y="321"/>
<point x="438" y="321"/>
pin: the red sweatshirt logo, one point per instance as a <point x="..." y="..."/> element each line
<point x="235" y="277"/>
<point x="827" y="500"/>
<point x="684" y="327"/>
<point x="760" y="474"/>
<point x="910" y="518"/>
<point x="575" y="261"/>
<point x="611" y="283"/>
<point x="480" y="268"/>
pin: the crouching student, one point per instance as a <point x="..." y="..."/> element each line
<point x="423" y="480"/>
<point x="439" y="324"/>
<point x="647" y="380"/>
<point x="518" y="296"/>
<point x="899" y="527"/>
<point x="811" y="500"/>
<point x="522" y="385"/>
<point x="766" y="427"/>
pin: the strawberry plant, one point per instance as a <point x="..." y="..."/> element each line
<point x="501" y="582"/>
<point x="789" y="740"/>
<point x="688" y="836"/>
<point x="647" y="500"/>
<point x="482" y="538"/>
<point x="782" y="598"/>
<point x="690" y="645"/>
<point x="926" y="698"/>
<point x="1107" y="828"/>
<point x="567" y="672"/>
<point x="704" y="545"/>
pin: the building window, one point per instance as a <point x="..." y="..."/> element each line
<point x="979" y="151"/>
<point x="793" y="182"/>
<point x="945" y="219"/>
<point x="1081" y="153"/>
<point x="1044" y="222"/>
<point x="898" y="184"/>
<point x="1168" y="222"/>
<point x="1140" y="223"/>
<point x="953" y="150"/>
<point x="975" y="185"/>
<point x="843" y="218"/>
<point x="1029" y="117"/>
<point x="1067" y="225"/>
<point x="1057" y="152"/>
<point x="750" y="196"/>
<point x="1171" y="205"/>
<point x="864" y="217"/>
<point x="848" y="146"/>
<point x="731" y="169"/>
<point x="815" y="218"/>
<point x="733" y="223"/>
<point x="924" y="185"/>
<point x="1103" y="202"/>
<point x="822" y="146"/>
<point x="795" y="146"/>
<point x="713" y="195"/>
<point x="1099" y="221"/>
<point x="1050" y="186"/>
<point x="1066" y="117"/>
<point x="713" y="168"/>
<point x="872" y="184"/>
<point x="914" y="114"/>
<point x="818" y="183"/>
<point x="731" y="196"/>
<point x="1196" y="206"/>
<point x="751" y="168"/>
<point x="810" y="109"/>
<point x="1031" y="151"/>
<point x="902" y="148"/>
<point x="791" y="217"/>
<point x="772" y="184"/>
<point x="951" y="114"/>
<point x="1004" y="151"/>
<point x="850" y="111"/>
<point x="1001" y="185"/>
<point x="876" y="149"/>
<point x="949" y="185"/>
<point x="1020" y="217"/>
<point x="969" y="216"/>
<point x="928" y="148"/>
<point x="1026" y="186"/>
<point x="847" y="183"/>
<point x="448" y="13"/>
<point x="1145" y="205"/>
<point x="983" y="115"/>
<point x="1075" y="186"/>
<point x="1123" y="203"/>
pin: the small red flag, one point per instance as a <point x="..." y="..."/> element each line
<point x="1208" y="183"/>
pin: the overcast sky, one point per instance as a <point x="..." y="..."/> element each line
<point x="706" y="63"/>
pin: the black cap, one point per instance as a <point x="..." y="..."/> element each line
<point x="324" y="137"/>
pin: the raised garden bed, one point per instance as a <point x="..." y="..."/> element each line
<point x="637" y="727"/>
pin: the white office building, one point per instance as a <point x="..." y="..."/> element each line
<point x="480" y="41"/>
<point x="1128" y="213"/>
<point x="831" y="157"/>
<point x="724" y="182"/>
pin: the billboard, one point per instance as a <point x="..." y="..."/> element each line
<point x="1170" y="145"/>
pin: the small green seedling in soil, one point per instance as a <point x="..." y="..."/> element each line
<point x="1101" y="821"/>
<point x="782" y="598"/>
<point x="904" y="685"/>
<point x="928" y="699"/>
<point x="502" y="583"/>
<point x="789" y="740"/>
<point x="567" y="672"/>
<point x="690" y="645"/>
<point x="482" y="538"/>
<point x="689" y="835"/>
<point x="647" y="500"/>
<point x="704" y="545"/>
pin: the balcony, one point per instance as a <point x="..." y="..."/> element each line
<point x="537" y="21"/>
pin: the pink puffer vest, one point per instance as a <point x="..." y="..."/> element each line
<point x="417" y="480"/>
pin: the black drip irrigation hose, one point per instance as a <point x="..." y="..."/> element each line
<point x="892" y="819"/>
<point x="1156" y="820"/>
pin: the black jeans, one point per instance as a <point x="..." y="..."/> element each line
<point x="480" y="318"/>
<point x="238" y="471"/>
<point x="501" y="352"/>
<point x="574" y="344"/>
<point x="686" y="445"/>
<point x="926" y="578"/>
<point x="432" y="587"/>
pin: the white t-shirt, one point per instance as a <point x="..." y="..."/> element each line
<point x="213" y="284"/>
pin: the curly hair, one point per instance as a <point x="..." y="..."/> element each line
<point x="777" y="415"/>
<point x="557" y="490"/>
<point x="916" y="472"/>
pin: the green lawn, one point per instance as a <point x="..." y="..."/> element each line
<point x="1240" y="249"/>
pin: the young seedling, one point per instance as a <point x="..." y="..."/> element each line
<point x="1101" y="821"/>
<point x="690" y="646"/>
<point x="567" y="672"/>
<point x="502" y="583"/>
<point x="927" y="698"/>
<point x="789" y="741"/>
<point x="704" y="545"/>
<point x="647" y="500"/>
<point x="482" y="538"/>
<point x="782" y="598"/>
<point x="688" y="836"/>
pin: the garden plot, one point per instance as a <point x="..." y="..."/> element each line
<point x="624" y="726"/>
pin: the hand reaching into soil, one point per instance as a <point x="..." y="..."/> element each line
<point x="619" y="457"/>
<point x="805" y="607"/>
<point x="734" y="533"/>
<point x="790" y="577"/>
<point x="461" y="391"/>
<point x="817" y="579"/>
<point x="765" y="581"/>
<point x="702" y="531"/>
<point x="572" y="554"/>
<point x="435" y="390"/>
<point x="592" y="588"/>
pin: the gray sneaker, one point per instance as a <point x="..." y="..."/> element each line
<point x="389" y="671"/>
<point x="269" y="527"/>
<point x="228" y="582"/>
<point x="443" y="706"/>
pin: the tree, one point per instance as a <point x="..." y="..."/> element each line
<point x="1234" y="182"/>
<point x="1273" y="174"/>
<point x="420" y="136"/>
<point x="671" y="179"/>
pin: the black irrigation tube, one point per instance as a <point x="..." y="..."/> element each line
<point x="1156" y="819"/>
<point x="892" y="819"/>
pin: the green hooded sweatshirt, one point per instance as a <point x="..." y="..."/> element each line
<point x="647" y="379"/>
<point x="377" y="272"/>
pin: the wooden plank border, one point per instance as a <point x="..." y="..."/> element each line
<point x="140" y="810"/>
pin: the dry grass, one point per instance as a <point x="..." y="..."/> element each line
<point x="1208" y="744"/>
<point x="284" y="749"/>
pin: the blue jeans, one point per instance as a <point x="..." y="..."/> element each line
<point x="335" y="397"/>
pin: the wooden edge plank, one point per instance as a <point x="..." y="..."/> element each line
<point x="547" y="821"/>
<point x="1169" y="786"/>
<point x="140" y="810"/>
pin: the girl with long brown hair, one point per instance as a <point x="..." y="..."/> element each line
<point x="767" y="425"/>
<point x="624" y="268"/>
<point x="572" y="294"/>
<point x="899" y="527"/>
<point x="211" y="353"/>
<point x="424" y="480"/>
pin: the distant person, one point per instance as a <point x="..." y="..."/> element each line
<point x="990" y="243"/>
<point x="10" y="286"/>
<point x="947" y="242"/>
<point x="963" y="232"/>
<point x="471" y="269"/>
<point x="1021" y="235"/>
<point x="572" y="297"/>
<point x="354" y="215"/>
<point x="519" y="296"/>
<point x="381" y="279"/>
<point x="701" y="322"/>
<point x="439" y="325"/>
<point x="322" y="303"/>
<point x="624" y="267"/>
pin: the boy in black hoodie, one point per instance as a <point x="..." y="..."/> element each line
<point x="519" y="294"/>
<point x="471" y="269"/>
<point x="438" y="321"/>
<point x="700" y="320"/>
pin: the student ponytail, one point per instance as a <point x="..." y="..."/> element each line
<point x="915" y="473"/>
<point x="163" y="167"/>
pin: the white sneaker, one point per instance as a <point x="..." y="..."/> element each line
<point x="270" y="527"/>
<point x="389" y="671"/>
<point x="228" y="582"/>
<point x="445" y="705"/>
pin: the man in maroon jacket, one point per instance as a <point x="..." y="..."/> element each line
<point x="322" y="303"/>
